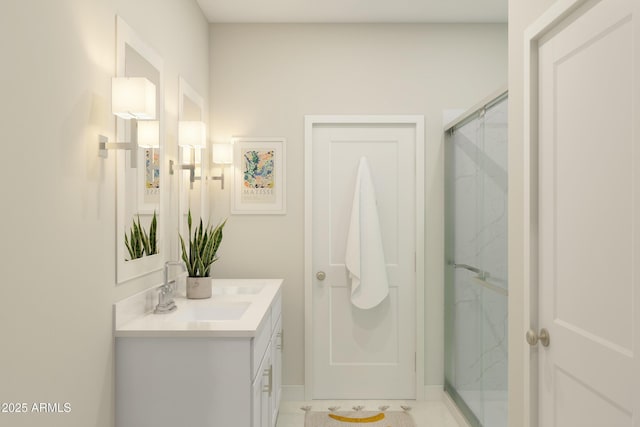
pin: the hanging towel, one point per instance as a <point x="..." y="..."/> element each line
<point x="364" y="254"/>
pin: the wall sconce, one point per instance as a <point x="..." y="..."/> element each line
<point x="221" y="154"/>
<point x="149" y="134"/>
<point x="133" y="99"/>
<point x="191" y="134"/>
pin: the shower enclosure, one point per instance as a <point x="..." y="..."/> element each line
<point x="476" y="286"/>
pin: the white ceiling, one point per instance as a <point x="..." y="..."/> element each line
<point x="354" y="11"/>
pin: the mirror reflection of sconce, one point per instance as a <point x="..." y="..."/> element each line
<point x="148" y="134"/>
<point x="192" y="137"/>
<point x="221" y="154"/>
<point x="133" y="99"/>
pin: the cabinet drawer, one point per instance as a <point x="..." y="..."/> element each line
<point x="260" y="344"/>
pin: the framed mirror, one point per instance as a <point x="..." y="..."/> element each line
<point x="192" y="195"/>
<point x="140" y="190"/>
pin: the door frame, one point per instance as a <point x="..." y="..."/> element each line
<point x="551" y="20"/>
<point x="418" y="123"/>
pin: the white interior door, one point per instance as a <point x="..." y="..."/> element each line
<point x="589" y="219"/>
<point x="363" y="354"/>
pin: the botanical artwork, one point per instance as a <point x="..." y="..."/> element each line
<point x="258" y="181"/>
<point x="152" y="175"/>
<point x="259" y="176"/>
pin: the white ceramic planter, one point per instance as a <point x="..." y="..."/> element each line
<point x="198" y="287"/>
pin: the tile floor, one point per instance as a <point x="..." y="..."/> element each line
<point x="425" y="413"/>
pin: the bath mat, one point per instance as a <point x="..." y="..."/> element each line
<point x="359" y="417"/>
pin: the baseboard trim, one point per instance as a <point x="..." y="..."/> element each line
<point x="293" y="393"/>
<point x="453" y="408"/>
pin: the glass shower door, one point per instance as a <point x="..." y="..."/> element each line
<point x="476" y="272"/>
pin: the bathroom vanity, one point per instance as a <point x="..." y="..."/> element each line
<point x="213" y="362"/>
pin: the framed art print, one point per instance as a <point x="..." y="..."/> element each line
<point x="259" y="166"/>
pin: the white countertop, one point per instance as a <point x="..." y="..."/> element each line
<point x="143" y="323"/>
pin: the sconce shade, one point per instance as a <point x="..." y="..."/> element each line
<point x="133" y="98"/>
<point x="187" y="158"/>
<point x="149" y="133"/>
<point x="186" y="154"/>
<point x="222" y="154"/>
<point x="192" y="134"/>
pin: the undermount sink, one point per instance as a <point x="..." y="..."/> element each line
<point x="214" y="312"/>
<point x="236" y="290"/>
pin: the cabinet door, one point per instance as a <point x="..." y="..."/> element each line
<point x="262" y="392"/>
<point x="276" y="362"/>
<point x="267" y="389"/>
<point x="256" y="415"/>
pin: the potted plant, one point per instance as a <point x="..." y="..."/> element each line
<point x="199" y="256"/>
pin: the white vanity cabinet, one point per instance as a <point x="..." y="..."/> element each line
<point x="267" y="386"/>
<point x="200" y="377"/>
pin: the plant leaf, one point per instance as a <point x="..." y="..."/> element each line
<point x="185" y="258"/>
<point x="153" y="242"/>
<point x="133" y="243"/>
<point x="144" y="239"/>
<point x="126" y="243"/>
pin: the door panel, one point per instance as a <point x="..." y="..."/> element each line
<point x="588" y="222"/>
<point x="363" y="353"/>
<point x="573" y="397"/>
<point x="353" y="340"/>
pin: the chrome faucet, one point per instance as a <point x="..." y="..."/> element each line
<point x="166" y="304"/>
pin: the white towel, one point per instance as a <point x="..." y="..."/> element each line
<point x="365" y="255"/>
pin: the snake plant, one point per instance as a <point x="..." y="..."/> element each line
<point x="153" y="241"/>
<point x="138" y="242"/>
<point x="203" y="246"/>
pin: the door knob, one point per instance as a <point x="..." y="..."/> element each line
<point x="320" y="275"/>
<point x="543" y="337"/>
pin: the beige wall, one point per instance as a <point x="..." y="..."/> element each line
<point x="265" y="78"/>
<point x="58" y="210"/>
<point x="521" y="14"/>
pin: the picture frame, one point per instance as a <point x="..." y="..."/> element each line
<point x="259" y="181"/>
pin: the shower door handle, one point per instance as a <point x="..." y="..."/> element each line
<point x="543" y="337"/>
